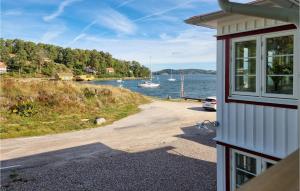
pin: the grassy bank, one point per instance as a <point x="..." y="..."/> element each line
<point x="37" y="107"/>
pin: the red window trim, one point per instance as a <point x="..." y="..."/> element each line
<point x="228" y="161"/>
<point x="227" y="39"/>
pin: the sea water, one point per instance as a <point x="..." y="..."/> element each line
<point x="195" y="86"/>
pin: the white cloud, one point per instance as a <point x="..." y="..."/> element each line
<point x="59" y="10"/>
<point x="13" y="12"/>
<point x="116" y="21"/>
<point x="161" y="12"/>
<point x="124" y="3"/>
<point x="78" y="37"/>
<point x="191" y="46"/>
<point x="52" y="34"/>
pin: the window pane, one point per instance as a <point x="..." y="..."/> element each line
<point x="245" y="83"/>
<point x="245" y="162"/>
<point x="280" y="65"/>
<point x="280" y="45"/>
<point x="245" y="49"/>
<point x="242" y="177"/>
<point x="279" y="84"/>
<point x="245" y="66"/>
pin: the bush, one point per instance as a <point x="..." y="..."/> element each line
<point x="89" y="93"/>
<point x="24" y="109"/>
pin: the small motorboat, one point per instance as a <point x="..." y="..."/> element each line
<point x="120" y="81"/>
<point x="148" y="84"/>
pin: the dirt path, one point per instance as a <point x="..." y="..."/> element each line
<point x="162" y="136"/>
<point x="157" y="122"/>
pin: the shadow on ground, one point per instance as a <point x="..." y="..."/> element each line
<point x="200" y="109"/>
<point x="201" y="136"/>
<point x="99" y="167"/>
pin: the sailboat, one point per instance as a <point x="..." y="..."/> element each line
<point x="171" y="79"/>
<point x="149" y="83"/>
<point x="119" y="80"/>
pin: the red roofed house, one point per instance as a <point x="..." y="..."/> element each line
<point x="110" y="70"/>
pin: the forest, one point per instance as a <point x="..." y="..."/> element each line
<point x="38" y="59"/>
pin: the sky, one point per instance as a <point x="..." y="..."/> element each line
<point x="127" y="29"/>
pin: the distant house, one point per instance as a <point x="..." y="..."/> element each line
<point x="110" y="70"/>
<point x="64" y="76"/>
<point x="3" y="68"/>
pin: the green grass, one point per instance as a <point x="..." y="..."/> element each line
<point x="57" y="107"/>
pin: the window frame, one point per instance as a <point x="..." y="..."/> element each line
<point x="260" y="165"/>
<point x="233" y="165"/>
<point x="261" y="65"/>
<point x="233" y="61"/>
<point x="264" y="66"/>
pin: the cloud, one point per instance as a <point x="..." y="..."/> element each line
<point x="13" y="12"/>
<point x="190" y="46"/>
<point x="59" y="10"/>
<point x="124" y="3"/>
<point x="161" y="12"/>
<point x="53" y="33"/>
<point x="116" y="21"/>
<point x="78" y="37"/>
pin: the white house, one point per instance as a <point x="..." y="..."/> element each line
<point x="258" y="86"/>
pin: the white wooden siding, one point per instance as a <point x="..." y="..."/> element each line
<point x="239" y="23"/>
<point x="270" y="130"/>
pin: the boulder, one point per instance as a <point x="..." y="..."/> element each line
<point x="100" y="120"/>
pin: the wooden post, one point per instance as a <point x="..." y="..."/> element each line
<point x="182" y="85"/>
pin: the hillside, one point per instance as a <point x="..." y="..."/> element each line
<point x="184" y="71"/>
<point x="31" y="59"/>
<point x="32" y="107"/>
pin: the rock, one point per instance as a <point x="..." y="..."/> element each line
<point x="100" y="120"/>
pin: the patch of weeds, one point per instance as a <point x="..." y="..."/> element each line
<point x="24" y="109"/>
<point x="88" y="93"/>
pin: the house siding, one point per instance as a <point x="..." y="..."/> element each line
<point x="272" y="131"/>
<point x="239" y="23"/>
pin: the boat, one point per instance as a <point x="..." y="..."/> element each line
<point x="120" y="81"/>
<point x="171" y="79"/>
<point x="149" y="83"/>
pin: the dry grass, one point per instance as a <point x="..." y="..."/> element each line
<point x="37" y="107"/>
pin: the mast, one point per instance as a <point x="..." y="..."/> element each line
<point x="150" y="69"/>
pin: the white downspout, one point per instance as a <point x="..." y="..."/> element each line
<point x="276" y="13"/>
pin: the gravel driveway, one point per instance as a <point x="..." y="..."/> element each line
<point x="156" y="149"/>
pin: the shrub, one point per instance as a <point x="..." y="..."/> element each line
<point x="24" y="109"/>
<point x="89" y="93"/>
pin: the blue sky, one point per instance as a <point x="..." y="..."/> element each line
<point x="128" y="29"/>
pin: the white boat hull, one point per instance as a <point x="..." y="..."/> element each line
<point x="149" y="85"/>
<point x="171" y="80"/>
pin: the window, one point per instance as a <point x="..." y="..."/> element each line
<point x="245" y="66"/>
<point x="263" y="66"/>
<point x="279" y="64"/>
<point x="246" y="166"/>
